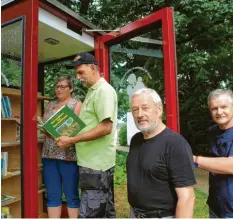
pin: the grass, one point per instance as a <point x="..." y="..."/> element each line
<point x="121" y="201"/>
<point x="122" y="205"/>
<point x="201" y="208"/>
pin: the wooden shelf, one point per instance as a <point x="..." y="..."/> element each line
<point x="17" y="199"/>
<point x="11" y="174"/>
<point x="11" y="183"/>
<point x="10" y="144"/>
<point x="17" y="93"/>
<point x="15" y="143"/>
<point x="43" y="215"/>
<point x="43" y="98"/>
<point x="41" y="191"/>
<point x="11" y="119"/>
<point x="40" y="166"/>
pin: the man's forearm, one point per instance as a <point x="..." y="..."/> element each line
<point x="184" y="207"/>
<point x="219" y="165"/>
<point x="99" y="131"/>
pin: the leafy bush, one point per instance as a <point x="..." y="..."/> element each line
<point x="123" y="135"/>
<point x="120" y="168"/>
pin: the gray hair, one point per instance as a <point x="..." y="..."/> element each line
<point x="96" y="67"/>
<point x="66" y="78"/>
<point x="220" y="92"/>
<point x="150" y="92"/>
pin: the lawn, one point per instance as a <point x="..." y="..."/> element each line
<point x="121" y="201"/>
<point x="122" y="206"/>
<point x="201" y="208"/>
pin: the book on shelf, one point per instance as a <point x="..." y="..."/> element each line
<point x="6" y="110"/>
<point x="3" y="108"/>
<point x="63" y="123"/>
<point x="4" y="163"/>
<point x="5" y="212"/>
<point x="8" y="106"/>
<point x="17" y="136"/>
<point x="6" y="198"/>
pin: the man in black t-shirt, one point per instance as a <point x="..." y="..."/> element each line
<point x="159" y="165"/>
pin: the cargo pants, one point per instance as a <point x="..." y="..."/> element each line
<point x="97" y="195"/>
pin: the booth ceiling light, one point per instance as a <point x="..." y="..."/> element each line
<point x="51" y="41"/>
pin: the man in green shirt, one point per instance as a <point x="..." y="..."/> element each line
<point x="94" y="144"/>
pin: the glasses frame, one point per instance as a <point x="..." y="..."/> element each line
<point x="62" y="87"/>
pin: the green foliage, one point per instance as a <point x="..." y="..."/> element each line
<point x="120" y="168"/>
<point x="123" y="135"/>
<point x="12" y="70"/>
<point x="204" y="46"/>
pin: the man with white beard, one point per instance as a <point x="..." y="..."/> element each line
<point x="160" y="173"/>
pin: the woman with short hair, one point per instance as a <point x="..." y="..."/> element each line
<point x="60" y="169"/>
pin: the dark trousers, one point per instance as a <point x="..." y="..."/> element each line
<point x="97" y="197"/>
<point x="151" y="214"/>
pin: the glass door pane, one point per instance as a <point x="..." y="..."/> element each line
<point x="136" y="63"/>
<point x="11" y="111"/>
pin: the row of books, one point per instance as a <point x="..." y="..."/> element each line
<point x="4" y="163"/>
<point x="5" y="212"/>
<point x="6" y="110"/>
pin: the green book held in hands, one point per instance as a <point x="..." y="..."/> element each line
<point x="63" y="123"/>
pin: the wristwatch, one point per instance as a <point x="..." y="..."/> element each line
<point x="195" y="162"/>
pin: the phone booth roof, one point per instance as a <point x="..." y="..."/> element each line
<point x="61" y="32"/>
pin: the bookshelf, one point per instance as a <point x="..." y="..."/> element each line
<point x="10" y="143"/>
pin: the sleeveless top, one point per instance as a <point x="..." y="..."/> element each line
<point x="50" y="149"/>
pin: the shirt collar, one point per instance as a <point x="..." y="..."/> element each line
<point x="97" y="84"/>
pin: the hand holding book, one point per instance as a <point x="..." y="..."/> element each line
<point x="64" y="141"/>
<point x="63" y="123"/>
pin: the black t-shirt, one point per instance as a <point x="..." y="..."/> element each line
<point x="155" y="167"/>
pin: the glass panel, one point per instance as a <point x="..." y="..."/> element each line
<point x="11" y="77"/>
<point x="136" y="63"/>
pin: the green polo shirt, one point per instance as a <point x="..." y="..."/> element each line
<point x="100" y="103"/>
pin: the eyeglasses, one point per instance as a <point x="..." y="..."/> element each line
<point x="62" y="87"/>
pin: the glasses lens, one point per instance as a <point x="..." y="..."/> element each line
<point x="62" y="87"/>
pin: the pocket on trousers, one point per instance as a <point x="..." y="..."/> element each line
<point x="96" y="201"/>
<point x="90" y="181"/>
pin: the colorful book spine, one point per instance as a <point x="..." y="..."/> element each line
<point x="8" y="107"/>
<point x="3" y="108"/>
<point x="4" y="163"/>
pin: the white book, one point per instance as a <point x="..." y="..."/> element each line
<point x="4" y="163"/>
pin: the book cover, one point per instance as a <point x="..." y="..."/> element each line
<point x="5" y="212"/>
<point x="63" y="123"/>
<point x="8" y="107"/>
<point x="6" y="198"/>
<point x="4" y="163"/>
<point x="3" y="109"/>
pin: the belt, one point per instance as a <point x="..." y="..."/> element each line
<point x="152" y="213"/>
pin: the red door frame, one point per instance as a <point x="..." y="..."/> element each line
<point x="29" y="10"/>
<point x="140" y="26"/>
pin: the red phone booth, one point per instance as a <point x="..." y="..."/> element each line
<point x="36" y="33"/>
